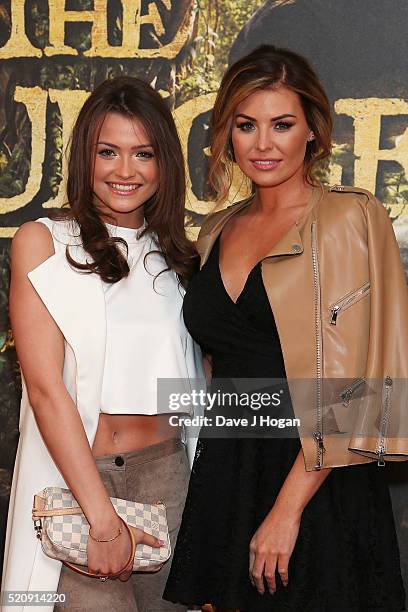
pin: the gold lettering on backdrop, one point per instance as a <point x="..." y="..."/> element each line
<point x="367" y="115"/>
<point x="153" y="17"/>
<point x="35" y="101"/>
<point x="19" y="46"/>
<point x="58" y="17"/>
<point x="69" y="102"/>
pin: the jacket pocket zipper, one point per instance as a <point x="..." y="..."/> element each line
<point x="348" y="392"/>
<point x="318" y="434"/>
<point x="384" y="420"/>
<point x="348" y="301"/>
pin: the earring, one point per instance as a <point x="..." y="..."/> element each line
<point x="311" y="136"/>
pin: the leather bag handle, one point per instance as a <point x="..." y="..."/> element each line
<point x="129" y="562"/>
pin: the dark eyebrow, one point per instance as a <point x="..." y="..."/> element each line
<point x="272" y="119"/>
<point x="114" y="146"/>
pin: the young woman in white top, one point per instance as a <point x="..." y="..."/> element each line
<point x="95" y="303"/>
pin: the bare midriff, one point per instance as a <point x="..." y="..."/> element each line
<point x="124" y="433"/>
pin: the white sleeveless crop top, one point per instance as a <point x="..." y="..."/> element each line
<point x="146" y="338"/>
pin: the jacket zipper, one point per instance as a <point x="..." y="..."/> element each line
<point x="384" y="420"/>
<point x="318" y="434"/>
<point x="344" y="303"/>
<point x="348" y="392"/>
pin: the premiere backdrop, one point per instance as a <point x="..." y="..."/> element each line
<point x="54" y="52"/>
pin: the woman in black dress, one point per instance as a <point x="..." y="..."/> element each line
<point x="291" y="523"/>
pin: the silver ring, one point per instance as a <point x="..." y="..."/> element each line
<point x="103" y="578"/>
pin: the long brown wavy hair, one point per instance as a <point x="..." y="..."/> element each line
<point x="164" y="211"/>
<point x="265" y="67"/>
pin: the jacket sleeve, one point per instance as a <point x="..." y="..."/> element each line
<point x="381" y="427"/>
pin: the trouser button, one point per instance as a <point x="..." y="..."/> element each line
<point x="119" y="461"/>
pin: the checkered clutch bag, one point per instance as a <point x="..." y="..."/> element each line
<point x="63" y="529"/>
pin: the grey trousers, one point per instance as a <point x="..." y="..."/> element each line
<point x="156" y="472"/>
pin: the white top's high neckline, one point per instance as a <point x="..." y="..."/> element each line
<point x="130" y="234"/>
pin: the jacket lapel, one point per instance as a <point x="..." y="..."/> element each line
<point x="210" y="233"/>
<point x="290" y="243"/>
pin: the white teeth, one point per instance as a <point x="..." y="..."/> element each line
<point x="265" y="162"/>
<point x="123" y="187"/>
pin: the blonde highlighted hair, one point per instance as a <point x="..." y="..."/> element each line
<point x="267" y="67"/>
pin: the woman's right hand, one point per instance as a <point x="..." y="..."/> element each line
<point x="106" y="558"/>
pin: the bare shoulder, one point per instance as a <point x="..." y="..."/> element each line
<point x="31" y="246"/>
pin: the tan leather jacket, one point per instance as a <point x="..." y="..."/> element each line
<point x="337" y="289"/>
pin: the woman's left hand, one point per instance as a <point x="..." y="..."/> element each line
<point x="271" y="548"/>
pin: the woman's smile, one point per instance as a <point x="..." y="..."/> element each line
<point x="266" y="164"/>
<point x="123" y="189"/>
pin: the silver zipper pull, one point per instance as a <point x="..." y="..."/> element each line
<point x="346" y="396"/>
<point x="347" y="393"/>
<point x="38" y="528"/>
<point x="334" y="312"/>
<point x="318" y="437"/>
<point x="388" y="382"/>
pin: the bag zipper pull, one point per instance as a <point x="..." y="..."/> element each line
<point x="38" y="528"/>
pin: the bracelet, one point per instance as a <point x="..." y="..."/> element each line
<point x="110" y="539"/>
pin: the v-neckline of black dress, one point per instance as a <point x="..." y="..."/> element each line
<point x="217" y="246"/>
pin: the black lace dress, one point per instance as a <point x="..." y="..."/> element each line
<point x="346" y="555"/>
